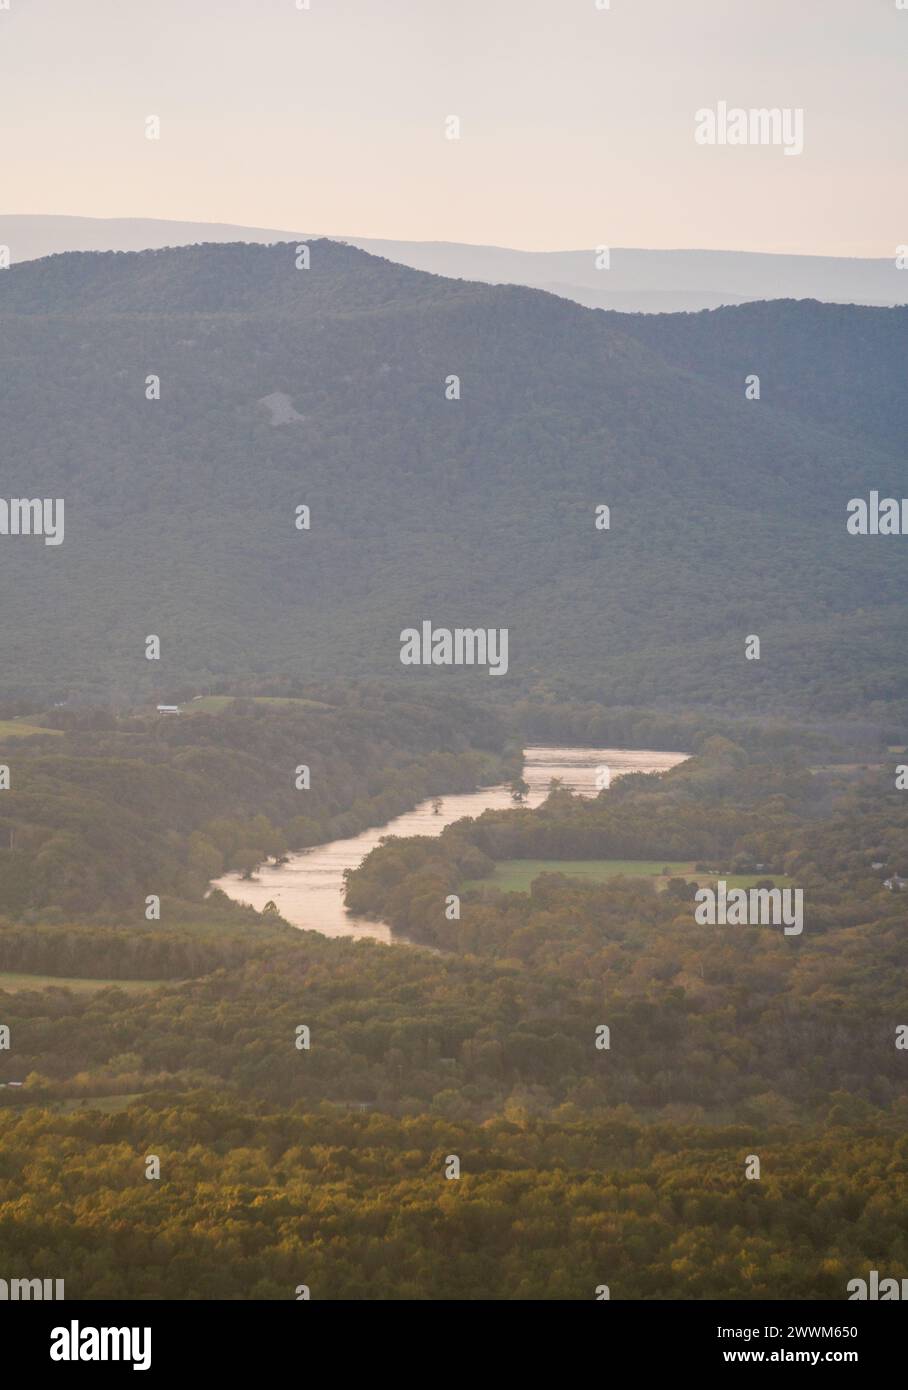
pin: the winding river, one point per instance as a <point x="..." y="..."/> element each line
<point x="308" y="888"/>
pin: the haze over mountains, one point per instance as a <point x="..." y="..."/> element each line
<point x="636" y="281"/>
<point x="326" y="387"/>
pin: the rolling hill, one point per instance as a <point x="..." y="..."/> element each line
<point x="326" y="388"/>
<point x="637" y="280"/>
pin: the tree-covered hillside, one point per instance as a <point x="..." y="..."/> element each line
<point x="326" y="388"/>
<point x="830" y="365"/>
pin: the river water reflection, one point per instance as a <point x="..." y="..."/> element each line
<point x="308" y="889"/>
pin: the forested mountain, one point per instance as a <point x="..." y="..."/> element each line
<point x="284" y="387"/>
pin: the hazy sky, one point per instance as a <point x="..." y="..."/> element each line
<point x="577" y="123"/>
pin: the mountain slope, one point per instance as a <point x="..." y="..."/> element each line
<point x="727" y="516"/>
<point x="834" y="365"/>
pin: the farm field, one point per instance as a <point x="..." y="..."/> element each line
<point x="517" y="875"/>
<point x="215" y="704"/>
<point x="18" y="728"/>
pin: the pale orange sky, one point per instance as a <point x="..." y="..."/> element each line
<point x="577" y="123"/>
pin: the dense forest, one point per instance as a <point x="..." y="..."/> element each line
<point x="325" y="388"/>
<point x="251" y="1204"/>
<point x="328" y="1163"/>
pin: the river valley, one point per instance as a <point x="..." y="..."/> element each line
<point x="308" y="889"/>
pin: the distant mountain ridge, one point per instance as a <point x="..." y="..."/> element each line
<point x="326" y="387"/>
<point x="637" y="280"/>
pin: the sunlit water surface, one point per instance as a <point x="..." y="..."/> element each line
<point x="308" y="889"/>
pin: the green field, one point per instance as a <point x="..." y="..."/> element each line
<point x="18" y="728"/>
<point x="516" y="875"/>
<point x="214" y="704"/>
<point x="13" y="982"/>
